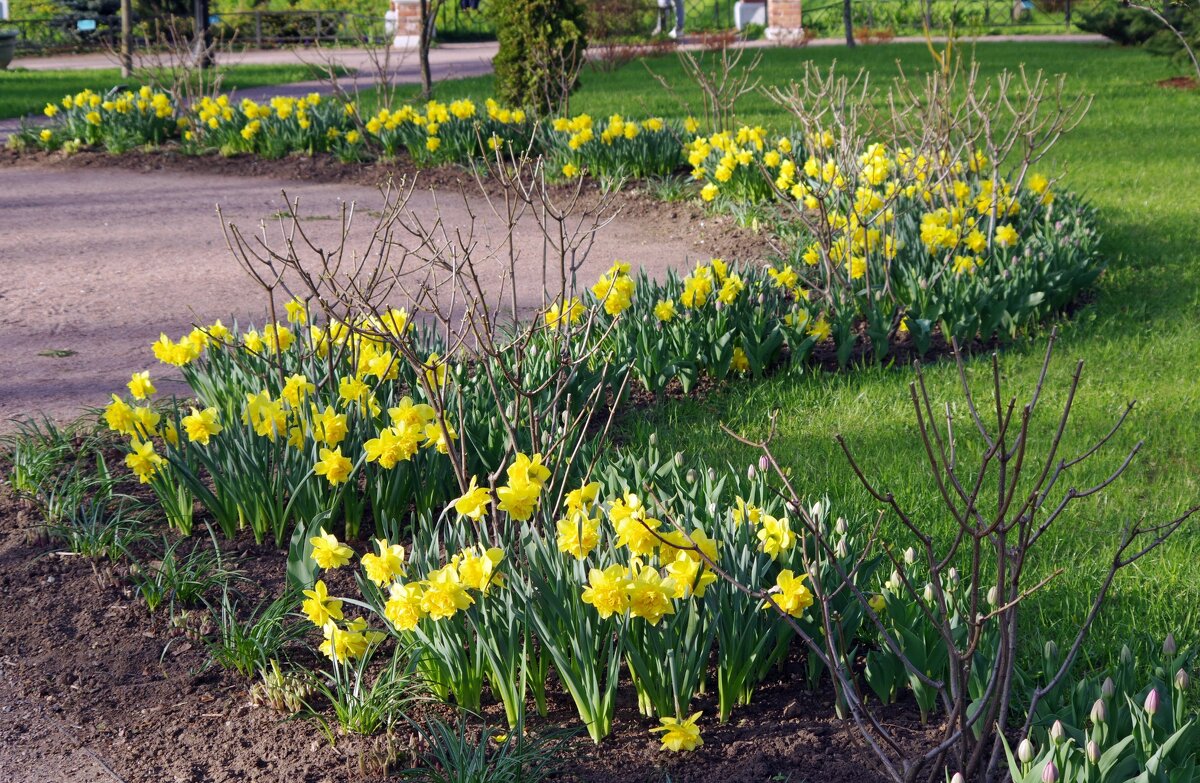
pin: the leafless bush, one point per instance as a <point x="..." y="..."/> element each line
<point x="478" y="292"/>
<point x="1003" y="504"/>
<point x="722" y="79"/>
<point x="168" y="61"/>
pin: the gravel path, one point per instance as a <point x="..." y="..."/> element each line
<point x="97" y="262"/>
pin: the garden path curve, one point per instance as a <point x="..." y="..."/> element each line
<point x="94" y="264"/>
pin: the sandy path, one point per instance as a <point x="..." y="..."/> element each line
<point x="99" y="262"/>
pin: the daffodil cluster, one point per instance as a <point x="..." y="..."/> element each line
<point x="444" y="132"/>
<point x="275" y="128"/>
<point x="118" y="122"/>
<point x="616" y="147"/>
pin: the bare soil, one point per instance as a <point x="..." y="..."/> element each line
<point x="95" y="688"/>
<point x="102" y="253"/>
<point x="1180" y="83"/>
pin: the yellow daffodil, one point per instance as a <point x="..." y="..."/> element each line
<point x="328" y="552"/>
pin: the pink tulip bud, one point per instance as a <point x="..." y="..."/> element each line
<point x="1151" y="705"/>
<point x="764" y="464"/>
<point x="1099" y="712"/>
<point x="1093" y="752"/>
<point x="1050" y="773"/>
<point x="958" y="778"/>
<point x="1169" y="646"/>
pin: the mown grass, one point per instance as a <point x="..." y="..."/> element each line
<point x="1134" y="157"/>
<point x="27" y="92"/>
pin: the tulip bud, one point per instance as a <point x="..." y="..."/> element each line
<point x="1049" y="773"/>
<point x="896" y="581"/>
<point x="928" y="596"/>
<point x="679" y="459"/>
<point x="764" y="463"/>
<point x="1107" y="688"/>
<point x="1126" y="654"/>
<point x="840" y="527"/>
<point x="992" y="596"/>
<point x="1099" y="712"/>
<point x="1057" y="733"/>
<point x="1093" y="753"/>
<point x="841" y="550"/>
<point x="1051" y="650"/>
<point x="1025" y="751"/>
<point x="953" y="574"/>
<point x="958" y="778"/>
<point x="1181" y="680"/>
<point x="712" y="474"/>
<point x="750" y="471"/>
<point x="691" y="476"/>
<point x="1151" y="704"/>
<point x="653" y="439"/>
<point x="817" y="510"/>
<point x="1169" y="646"/>
<point x="910" y="556"/>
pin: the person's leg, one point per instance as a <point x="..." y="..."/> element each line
<point x="678" y="31"/>
<point x="660" y="12"/>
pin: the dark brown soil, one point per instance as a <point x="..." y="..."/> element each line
<point x="94" y="688"/>
<point x="1180" y="83"/>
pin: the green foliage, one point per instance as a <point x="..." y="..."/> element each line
<point x="1115" y="725"/>
<point x="461" y="752"/>
<point x="180" y="580"/>
<point x="363" y="708"/>
<point x="542" y="45"/>
<point x="1135" y="27"/>
<point x="253" y="645"/>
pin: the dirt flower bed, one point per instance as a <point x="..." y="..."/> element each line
<point x="128" y="687"/>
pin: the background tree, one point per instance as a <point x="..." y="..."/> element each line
<point x="542" y="44"/>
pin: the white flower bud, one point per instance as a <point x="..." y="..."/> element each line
<point x="679" y="459"/>
<point x="1107" y="688"/>
<point x="1093" y="752"/>
<point x="750" y="471"/>
<point x="1099" y="712"/>
<point x="958" y="778"/>
<point x="992" y="596"/>
<point x="953" y="574"/>
<point x="712" y="474"/>
<point x="1025" y="751"/>
<point x="840" y="527"/>
<point x="1181" y="680"/>
<point x="691" y="476"/>
<point x="653" y="439"/>
<point x="1057" y="732"/>
<point x="910" y="556"/>
<point x="841" y="550"/>
<point x="928" y="596"/>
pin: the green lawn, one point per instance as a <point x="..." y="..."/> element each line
<point x="1135" y="158"/>
<point x="25" y="92"/>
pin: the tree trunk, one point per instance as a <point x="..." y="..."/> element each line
<point x="423" y="43"/>
<point x="848" y="20"/>
<point x="202" y="45"/>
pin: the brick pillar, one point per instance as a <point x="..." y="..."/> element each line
<point x="784" y="19"/>
<point x="405" y="21"/>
